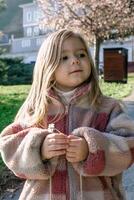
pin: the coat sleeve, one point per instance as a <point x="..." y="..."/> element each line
<point x="20" y="150"/>
<point x="110" y="152"/>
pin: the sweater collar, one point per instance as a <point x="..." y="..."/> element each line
<point x="78" y="92"/>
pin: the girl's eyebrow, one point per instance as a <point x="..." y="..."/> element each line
<point x="65" y="50"/>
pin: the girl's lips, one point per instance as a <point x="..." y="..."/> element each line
<point x="76" y="71"/>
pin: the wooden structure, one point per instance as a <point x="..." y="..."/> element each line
<point x="115" y="65"/>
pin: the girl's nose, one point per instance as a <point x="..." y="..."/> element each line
<point x="75" y="60"/>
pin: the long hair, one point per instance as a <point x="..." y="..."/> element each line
<point x="35" y="107"/>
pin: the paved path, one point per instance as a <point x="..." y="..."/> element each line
<point x="128" y="175"/>
<point x="11" y="195"/>
<point x="128" y="182"/>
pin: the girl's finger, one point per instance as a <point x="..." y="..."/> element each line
<point x="57" y="147"/>
<point x="57" y="141"/>
<point x="69" y="159"/>
<point x="57" y="135"/>
<point x="75" y="142"/>
<point x="57" y="153"/>
<point x="73" y="137"/>
<point x="71" y="154"/>
<point x="71" y="149"/>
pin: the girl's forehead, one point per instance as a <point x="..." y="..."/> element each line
<point x="73" y="43"/>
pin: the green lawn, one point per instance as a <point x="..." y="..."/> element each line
<point x="117" y="90"/>
<point x="11" y="98"/>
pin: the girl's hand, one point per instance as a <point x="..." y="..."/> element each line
<point x="77" y="150"/>
<point x="55" y="144"/>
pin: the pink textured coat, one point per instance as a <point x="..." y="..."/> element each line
<point x="110" y="137"/>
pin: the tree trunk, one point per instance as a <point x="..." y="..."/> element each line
<point x="97" y="44"/>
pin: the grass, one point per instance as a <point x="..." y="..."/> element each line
<point x="118" y="90"/>
<point x="11" y="98"/>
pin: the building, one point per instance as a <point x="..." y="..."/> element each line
<point x="127" y="43"/>
<point x="27" y="46"/>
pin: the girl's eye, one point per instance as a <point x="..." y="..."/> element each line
<point x="64" y="58"/>
<point x="81" y="55"/>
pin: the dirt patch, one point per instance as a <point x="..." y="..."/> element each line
<point x="9" y="183"/>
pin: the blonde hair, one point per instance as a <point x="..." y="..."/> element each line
<point x="48" y="59"/>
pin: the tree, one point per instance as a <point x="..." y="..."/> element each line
<point x="14" y="71"/>
<point x="3" y="72"/>
<point x="98" y="20"/>
<point x="2" y="5"/>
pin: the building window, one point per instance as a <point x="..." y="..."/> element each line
<point x="39" y="41"/>
<point x="29" y="32"/>
<point x="36" y="16"/>
<point x="43" y="28"/>
<point x="29" y="16"/>
<point x="36" y="30"/>
<point x="25" y="43"/>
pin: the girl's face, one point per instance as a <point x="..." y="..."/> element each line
<point x="74" y="67"/>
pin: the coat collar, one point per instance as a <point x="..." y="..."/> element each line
<point x="79" y="92"/>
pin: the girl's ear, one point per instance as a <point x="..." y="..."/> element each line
<point x="52" y="79"/>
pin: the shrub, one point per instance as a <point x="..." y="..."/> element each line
<point x="14" y="71"/>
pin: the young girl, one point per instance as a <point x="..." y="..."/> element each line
<point x="68" y="140"/>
